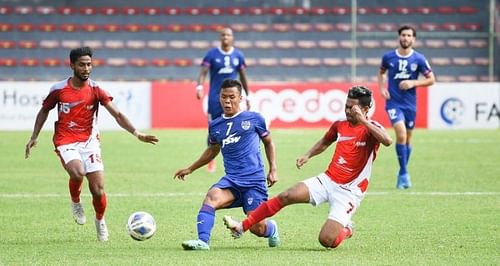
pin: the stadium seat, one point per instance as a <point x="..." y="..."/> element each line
<point x="25" y="27"/>
<point x="311" y="61"/>
<point x="456" y="43"/>
<point x="332" y="61"/>
<point x="263" y="44"/>
<point x="239" y="27"/>
<point x="154" y="27"/>
<point x="345" y="27"/>
<point x="44" y="10"/>
<point x="49" y="44"/>
<point x="298" y="11"/>
<point x="328" y="44"/>
<point x="196" y="27"/>
<point x="358" y="61"/>
<point x="194" y="11"/>
<point x="4" y="44"/>
<point x="268" y="62"/>
<point x="157" y="44"/>
<point x="467" y="10"/>
<point x="70" y="44"/>
<point x="251" y="61"/>
<point x="461" y="61"/>
<point x="214" y="11"/>
<point x="430" y="26"/>
<point x="51" y="62"/>
<point x="390" y="27"/>
<point x="281" y="27"/>
<point x="363" y="11"/>
<point x="307" y="44"/>
<point x="302" y="27"/>
<point x="201" y="44"/>
<point x="391" y="44"/>
<point x="278" y="11"/>
<point x="289" y="61"/>
<point x="424" y="10"/>
<point x="373" y="61"/>
<point x="172" y="11"/>
<point x="440" y="61"/>
<point x="94" y="44"/>
<point x="5" y="10"/>
<point x="260" y="27"/>
<point x="382" y="10"/>
<point x="478" y="43"/>
<point x="66" y="10"/>
<point x="215" y="27"/>
<point x="160" y="62"/>
<point x="178" y="44"/>
<point x="138" y="62"/>
<point x="449" y="26"/>
<point x="29" y="62"/>
<point x="482" y="61"/>
<point x="27" y="44"/>
<point x="46" y="27"/>
<point x="134" y="27"/>
<point x="403" y="10"/>
<point x="183" y="62"/>
<point x="446" y="10"/>
<point x="235" y="11"/>
<point x="23" y="10"/>
<point x="114" y="44"/>
<point x="467" y="78"/>
<point x="175" y="27"/>
<point x="69" y="27"/>
<point x="340" y="11"/>
<point x="284" y="44"/>
<point x="88" y="11"/>
<point x="256" y="11"/>
<point x="446" y="78"/>
<point x="111" y="27"/>
<point x="116" y="61"/>
<point x="135" y="44"/>
<point x="366" y="27"/>
<point x="7" y="62"/>
<point x="111" y="11"/>
<point x="435" y="43"/>
<point x="324" y="27"/>
<point x="348" y="44"/>
<point x="151" y="11"/>
<point x="370" y="44"/>
<point x="472" y="26"/>
<point x="5" y="27"/>
<point x="242" y="44"/>
<point x="90" y="27"/>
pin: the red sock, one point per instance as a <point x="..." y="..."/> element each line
<point x="100" y="206"/>
<point x="75" y="188"/>
<point x="342" y="235"/>
<point x="266" y="209"/>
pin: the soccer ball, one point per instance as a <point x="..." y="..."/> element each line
<point x="141" y="226"/>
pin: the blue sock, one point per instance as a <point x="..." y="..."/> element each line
<point x="408" y="153"/>
<point x="270" y="228"/>
<point x="401" y="151"/>
<point x="205" y="222"/>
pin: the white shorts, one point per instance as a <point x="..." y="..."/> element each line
<point x="344" y="200"/>
<point x="89" y="153"/>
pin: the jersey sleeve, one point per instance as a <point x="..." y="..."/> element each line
<point x="103" y="96"/>
<point x="377" y="124"/>
<point x="206" y="59"/>
<point x="243" y="64"/>
<point x="331" y="134"/>
<point x="261" y="126"/>
<point x="424" y="66"/>
<point x="51" y="100"/>
<point x="212" y="140"/>
<point x="384" y="65"/>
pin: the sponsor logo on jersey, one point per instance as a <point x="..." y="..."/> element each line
<point x="402" y="75"/>
<point x="341" y="160"/>
<point x="245" y="125"/>
<point x="360" y="143"/>
<point x="230" y="139"/>
<point x="226" y="70"/>
<point x="343" y="138"/>
<point x="89" y="107"/>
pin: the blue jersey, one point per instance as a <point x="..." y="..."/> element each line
<point x="403" y="68"/>
<point x="239" y="138"/>
<point x="222" y="66"/>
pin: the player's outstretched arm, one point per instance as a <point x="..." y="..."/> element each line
<point x="318" y="148"/>
<point x="201" y="80"/>
<point x="209" y="154"/>
<point x="125" y="123"/>
<point x="376" y="131"/>
<point x="381" y="78"/>
<point x="244" y="82"/>
<point x="272" y="176"/>
<point x="41" y="117"/>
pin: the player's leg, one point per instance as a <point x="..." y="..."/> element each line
<point x="71" y="160"/>
<point x="212" y="114"/>
<point x="404" y="146"/>
<point x="333" y="233"/>
<point x="99" y="201"/>
<point x="251" y="199"/>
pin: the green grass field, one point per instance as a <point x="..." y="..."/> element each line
<point x="450" y="217"/>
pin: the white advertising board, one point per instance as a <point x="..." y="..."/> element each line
<point x="464" y="106"/>
<point x="21" y="101"/>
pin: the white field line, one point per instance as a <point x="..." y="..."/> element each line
<point x="200" y="194"/>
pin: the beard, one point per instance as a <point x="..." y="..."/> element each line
<point x="80" y="77"/>
<point x="405" y="46"/>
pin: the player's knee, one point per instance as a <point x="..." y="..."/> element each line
<point x="285" y="197"/>
<point x="76" y="173"/>
<point x="326" y="241"/>
<point x="97" y="190"/>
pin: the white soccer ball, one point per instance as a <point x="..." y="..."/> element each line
<point x="141" y="226"/>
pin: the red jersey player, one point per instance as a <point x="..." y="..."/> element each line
<point x="76" y="137"/>
<point x="343" y="184"/>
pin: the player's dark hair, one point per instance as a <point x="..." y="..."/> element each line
<point x="362" y="94"/>
<point x="79" y="52"/>
<point x="229" y="83"/>
<point x="407" y="27"/>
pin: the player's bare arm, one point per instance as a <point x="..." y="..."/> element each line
<point x="318" y="148"/>
<point x="272" y="176"/>
<point x="41" y="117"/>
<point x="201" y="80"/>
<point x="244" y="82"/>
<point x="427" y="81"/>
<point x="381" y="77"/>
<point x="125" y="123"/>
<point x="208" y="155"/>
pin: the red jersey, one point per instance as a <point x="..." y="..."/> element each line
<point x="354" y="154"/>
<point x="77" y="110"/>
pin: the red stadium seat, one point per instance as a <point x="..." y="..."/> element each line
<point x="366" y="27"/>
<point x="324" y="27"/>
<point x="110" y="11"/>
<point x="70" y="44"/>
<point x="332" y="61"/>
<point x="284" y="44"/>
<point x="116" y="61"/>
<point x="391" y="44"/>
<point x="299" y="11"/>
<point x="65" y="10"/>
<point x="133" y="27"/>
<point x="215" y="27"/>
<point x="154" y="27"/>
<point x="111" y="27"/>
<point x="382" y="10"/>
<point x="157" y="44"/>
<point x="172" y="11"/>
<point x="89" y="11"/>
<point x="302" y="27"/>
<point x="7" y="62"/>
<point x="456" y="43"/>
<point x="430" y="26"/>
<point x="179" y="44"/>
<point x="373" y="61"/>
<point x="47" y="27"/>
<point x="131" y="11"/>
<point x="239" y="27"/>
<point x="478" y="43"/>
<point x="30" y="62"/>
<point x="5" y="10"/>
<point x="278" y="11"/>
<point x="446" y="10"/>
<point x="196" y="27"/>
<point x="4" y="27"/>
<point x="311" y="61"/>
<point x="403" y="10"/>
<point x="328" y="44"/>
<point x="461" y="61"/>
<point x="440" y="61"/>
<point x="183" y="62"/>
<point x="289" y="62"/>
<point x="135" y="44"/>
<point x="114" y="44"/>
<point x="281" y="27"/>
<point x="268" y="62"/>
<point x="194" y="11"/>
<point x="467" y="10"/>
<point x="91" y="27"/>
<point x="452" y="26"/>
<point x="69" y="27"/>
<point x="364" y="10"/>
<point x="431" y="43"/>
<point x="175" y="27"/>
<point x="243" y="44"/>
<point x="202" y="44"/>
<point x="370" y="44"/>
<point x="358" y="61"/>
<point x="25" y="27"/>
<point x="263" y="44"/>
<point x="346" y="44"/>
<point x="23" y="10"/>
<point x="152" y="11"/>
<point x="52" y="62"/>
<point x="467" y="78"/>
<point x="7" y="44"/>
<point x="27" y="44"/>
<point x="94" y="44"/>
<point x="236" y="11"/>
<point x="307" y="44"/>
<point x="214" y="11"/>
<point x="345" y="27"/>
<point x="390" y="27"/>
<point x="318" y="11"/>
<point x="260" y="27"/>
<point x="49" y="44"/>
<point x="251" y="61"/>
<point x="45" y="10"/>
<point x="446" y="78"/>
<point x="160" y="62"/>
<point x="341" y="11"/>
<point x="256" y="11"/>
<point x="424" y="10"/>
<point x="138" y="62"/>
<point x="472" y="26"/>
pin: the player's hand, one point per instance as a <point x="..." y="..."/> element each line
<point x="301" y="161"/>
<point x="272" y="178"/>
<point x="385" y="94"/>
<point x="32" y="143"/>
<point x="199" y="92"/>
<point x="358" y="114"/>
<point x="180" y="174"/>
<point x="406" y="84"/>
<point x="146" y="138"/>
<point x="248" y="104"/>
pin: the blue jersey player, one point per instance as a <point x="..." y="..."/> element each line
<point x="403" y="67"/>
<point x="237" y="134"/>
<point x="224" y="62"/>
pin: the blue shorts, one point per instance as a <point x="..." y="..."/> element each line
<point x="397" y="114"/>
<point x="247" y="197"/>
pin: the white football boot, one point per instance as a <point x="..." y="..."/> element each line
<point x="102" y="230"/>
<point x="78" y="213"/>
